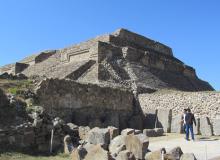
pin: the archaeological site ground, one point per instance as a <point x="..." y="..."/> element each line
<point x="118" y="96"/>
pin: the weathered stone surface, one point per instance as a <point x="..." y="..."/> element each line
<point x="113" y="131"/>
<point x="127" y="131"/>
<point x="99" y="136"/>
<point x="68" y="146"/>
<point x="153" y="132"/>
<point x="98" y="153"/>
<point x="83" y="132"/>
<point x="86" y="103"/>
<point x="80" y="152"/>
<point x="205" y="127"/>
<point x="177" y="124"/>
<point x="164" y="117"/>
<point x="216" y="127"/>
<point x="117" y="145"/>
<point x="188" y="156"/>
<point x="176" y="152"/>
<point x="196" y="128"/>
<point x="155" y="155"/>
<point x="75" y="155"/>
<point x="136" y="131"/>
<point x="159" y="131"/>
<point x="150" y="132"/>
<point x="137" y="144"/>
<point x="204" y="103"/>
<point x="125" y="155"/>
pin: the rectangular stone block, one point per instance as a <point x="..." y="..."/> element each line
<point x="137" y="144"/>
<point x="197" y="127"/>
<point x="205" y="127"/>
<point x="164" y="117"/>
<point x="177" y="124"/>
<point x="216" y="127"/>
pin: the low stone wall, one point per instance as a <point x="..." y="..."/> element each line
<point x="86" y="104"/>
<point x="202" y="104"/>
<point x="22" y="136"/>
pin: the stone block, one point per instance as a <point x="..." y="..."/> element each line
<point x="125" y="155"/>
<point x="150" y="132"/>
<point x="136" y="131"/>
<point x="153" y="132"/>
<point x="117" y="145"/>
<point x="127" y="131"/>
<point x="164" y="117"/>
<point x="159" y="131"/>
<point x="75" y="155"/>
<point x="155" y="155"/>
<point x="83" y="132"/>
<point x="177" y="124"/>
<point x="137" y="144"/>
<point x="188" y="156"/>
<point x="68" y="146"/>
<point x="99" y="136"/>
<point x="98" y="153"/>
<point x="216" y="127"/>
<point x="176" y="152"/>
<point x="113" y="131"/>
<point x="205" y="127"/>
<point x="196" y="127"/>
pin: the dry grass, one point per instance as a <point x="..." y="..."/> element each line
<point x="21" y="156"/>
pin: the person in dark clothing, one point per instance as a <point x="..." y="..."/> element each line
<point x="189" y="119"/>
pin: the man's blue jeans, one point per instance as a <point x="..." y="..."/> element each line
<point x="189" y="128"/>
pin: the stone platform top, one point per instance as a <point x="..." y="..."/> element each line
<point x="122" y="57"/>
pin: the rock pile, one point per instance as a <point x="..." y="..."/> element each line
<point x="18" y="76"/>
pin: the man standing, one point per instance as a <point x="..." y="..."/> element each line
<point x="189" y="119"/>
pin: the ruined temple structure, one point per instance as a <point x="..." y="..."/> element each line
<point x="97" y="82"/>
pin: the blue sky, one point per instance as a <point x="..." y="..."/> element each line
<point x="190" y="27"/>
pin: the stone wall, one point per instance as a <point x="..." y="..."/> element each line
<point x="203" y="104"/>
<point x="82" y="50"/>
<point x="86" y="104"/>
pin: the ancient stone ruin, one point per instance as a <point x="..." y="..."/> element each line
<point x="120" y="79"/>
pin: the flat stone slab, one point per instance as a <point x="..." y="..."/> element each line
<point x="176" y="124"/>
<point x="164" y="117"/>
<point x="205" y="127"/>
<point x="216" y="127"/>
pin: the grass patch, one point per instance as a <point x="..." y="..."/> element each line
<point x="21" y="156"/>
